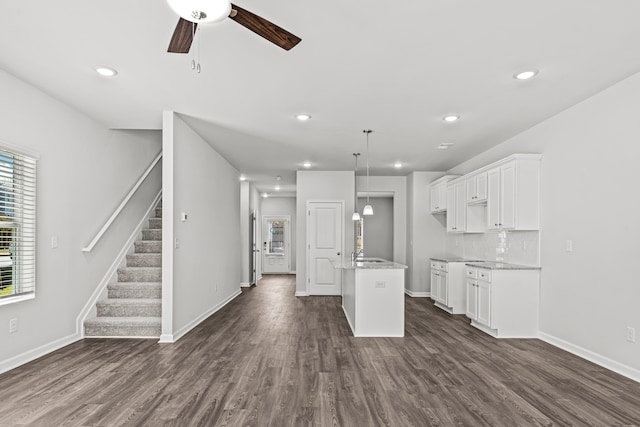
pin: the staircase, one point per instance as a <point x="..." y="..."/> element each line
<point x="133" y="307"/>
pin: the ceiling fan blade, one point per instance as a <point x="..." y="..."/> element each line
<point x="264" y="28"/>
<point x="182" y="37"/>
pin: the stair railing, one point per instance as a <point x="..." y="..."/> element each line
<point x="122" y="205"/>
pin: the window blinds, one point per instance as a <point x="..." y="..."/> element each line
<point x="17" y="224"/>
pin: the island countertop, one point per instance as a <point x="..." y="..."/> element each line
<point x="367" y="263"/>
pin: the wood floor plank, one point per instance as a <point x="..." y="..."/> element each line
<point x="271" y="359"/>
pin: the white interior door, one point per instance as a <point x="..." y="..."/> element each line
<point x="324" y="237"/>
<point x="276" y="254"/>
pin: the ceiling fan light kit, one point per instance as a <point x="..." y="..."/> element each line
<point x="201" y="11"/>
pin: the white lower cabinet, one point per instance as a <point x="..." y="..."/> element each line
<point x="503" y="302"/>
<point x="448" y="285"/>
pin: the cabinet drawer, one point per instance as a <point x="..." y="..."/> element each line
<point x="472" y="272"/>
<point x="443" y="266"/>
<point x="484" y="274"/>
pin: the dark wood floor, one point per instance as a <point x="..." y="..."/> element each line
<point x="270" y="359"/>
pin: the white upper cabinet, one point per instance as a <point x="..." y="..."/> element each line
<point x="438" y="194"/>
<point x="477" y="188"/>
<point x="513" y="196"/>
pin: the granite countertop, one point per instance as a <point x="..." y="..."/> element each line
<point x="492" y="265"/>
<point x="369" y="263"/>
<point x="453" y="259"/>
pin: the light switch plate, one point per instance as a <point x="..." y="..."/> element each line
<point x="569" y="246"/>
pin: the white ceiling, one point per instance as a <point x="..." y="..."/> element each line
<point x="395" y="67"/>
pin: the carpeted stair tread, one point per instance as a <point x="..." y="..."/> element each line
<point x="135" y="290"/>
<point x="148" y="246"/>
<point x="144" y="260"/>
<point x="152" y="234"/>
<point x="155" y="223"/>
<point x="140" y="274"/>
<point x="123" y="326"/>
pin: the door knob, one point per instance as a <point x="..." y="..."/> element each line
<point x="338" y="253"/>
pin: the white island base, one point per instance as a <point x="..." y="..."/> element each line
<point x="373" y="299"/>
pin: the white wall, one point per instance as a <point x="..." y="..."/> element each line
<point x="398" y="186"/>
<point x="590" y="196"/>
<point x="378" y="228"/>
<point x="207" y="265"/>
<point x="321" y="185"/>
<point x="84" y="171"/>
<point x="283" y="206"/>
<point x="427" y="234"/>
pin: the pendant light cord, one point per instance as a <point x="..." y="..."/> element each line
<point x="367" y="131"/>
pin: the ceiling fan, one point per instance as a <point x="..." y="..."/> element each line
<point x="194" y="12"/>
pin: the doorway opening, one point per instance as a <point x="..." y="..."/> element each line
<point x="276" y="245"/>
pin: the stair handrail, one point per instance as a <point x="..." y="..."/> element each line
<point x="122" y="205"/>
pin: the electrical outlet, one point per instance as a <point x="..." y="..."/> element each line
<point x="177" y="244"/>
<point x="381" y="284"/>
<point x="631" y="334"/>
<point x="13" y="325"/>
<point x="54" y="242"/>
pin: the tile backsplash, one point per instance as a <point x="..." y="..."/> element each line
<point x="516" y="247"/>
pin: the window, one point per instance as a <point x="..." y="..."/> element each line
<point x="17" y="226"/>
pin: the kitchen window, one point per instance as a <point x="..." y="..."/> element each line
<point x="17" y="227"/>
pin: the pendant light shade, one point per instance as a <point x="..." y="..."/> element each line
<point x="356" y="215"/>
<point x="368" y="209"/>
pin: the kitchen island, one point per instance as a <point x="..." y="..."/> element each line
<point x="373" y="297"/>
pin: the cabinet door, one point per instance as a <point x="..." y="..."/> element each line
<point x="471" y="190"/>
<point x="481" y="187"/>
<point x="472" y="299"/>
<point x="461" y="208"/>
<point x="434" y="198"/>
<point x="484" y="303"/>
<point x="443" y="294"/>
<point x="434" y="285"/>
<point x="451" y="208"/>
<point x="493" y="199"/>
<point x="508" y="195"/>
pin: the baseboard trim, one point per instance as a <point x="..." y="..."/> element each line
<point x="302" y="293"/>
<point x="589" y="355"/>
<point x="43" y="350"/>
<point x="245" y="284"/>
<point x="168" y="339"/>
<point x="113" y="270"/>
<point x="414" y="294"/>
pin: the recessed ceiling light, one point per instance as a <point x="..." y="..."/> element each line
<point x="303" y="117"/>
<point x="243" y="178"/>
<point x="277" y="188"/>
<point x="265" y="195"/>
<point x="307" y="164"/>
<point x="525" y="75"/>
<point x="106" y="71"/>
<point x="397" y="165"/>
<point x="451" y="118"/>
<point x="444" y="145"/>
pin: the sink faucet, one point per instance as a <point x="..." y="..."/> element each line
<point x="356" y="254"/>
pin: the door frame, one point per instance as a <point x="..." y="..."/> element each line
<point x="287" y="240"/>
<point x="308" y="232"/>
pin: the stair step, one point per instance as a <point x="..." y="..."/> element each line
<point x="148" y="327"/>
<point x="130" y="307"/>
<point x="158" y="212"/>
<point x="147" y="246"/>
<point x="134" y="290"/>
<point x="140" y="274"/>
<point x="144" y="260"/>
<point x="152" y="234"/>
<point x="155" y="223"/>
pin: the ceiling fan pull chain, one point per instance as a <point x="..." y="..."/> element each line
<point x="198" y="66"/>
<point x="193" y="34"/>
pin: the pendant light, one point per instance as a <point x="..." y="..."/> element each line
<point x="356" y="215"/>
<point x="368" y="209"/>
